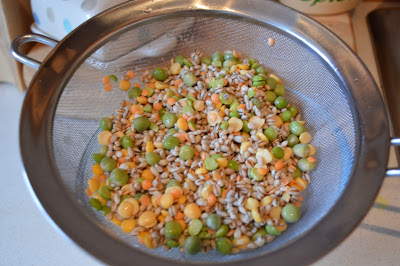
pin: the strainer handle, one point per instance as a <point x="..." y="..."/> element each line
<point x="23" y="58"/>
<point x="393" y="172"/>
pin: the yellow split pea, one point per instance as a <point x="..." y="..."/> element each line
<point x="166" y="200"/>
<point x="147" y="219"/>
<point x="192" y="211"/>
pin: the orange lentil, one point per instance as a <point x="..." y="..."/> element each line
<point x="142" y="99"/>
<point x="247" y="83"/>
<point x="223" y="194"/>
<point x="124" y="85"/>
<point x="145" y="200"/>
<point x="96" y="169"/>
<point x="181" y="137"/>
<point x="225" y="82"/>
<point x="135" y="109"/>
<point x="230" y="233"/>
<point x="217" y="176"/>
<point x="240" y="84"/>
<point x="262" y="171"/>
<point x="171" y="101"/>
<point x="211" y="200"/>
<point x="179" y="216"/>
<point x="210" y="231"/>
<point x="130" y="74"/>
<point x="311" y="159"/>
<point x="215" y="98"/>
<point x="146" y="184"/>
<point x="202" y="73"/>
<point x="300" y="198"/>
<point x="236" y="133"/>
<point x="212" y="117"/>
<point x="151" y="85"/>
<point x="96" y="177"/>
<point x="175" y="193"/>
<point x="107" y="87"/>
<point x="88" y="192"/>
<point x="131" y="117"/>
<point x="177" y="82"/>
<point x="158" y="200"/>
<point x="267" y="87"/>
<point x="183" y="224"/>
<point x="157" y="116"/>
<point x="297" y="204"/>
<point x="148" y="241"/>
<point x="121" y="160"/>
<point x="102" y="177"/>
<point x="145" y="92"/>
<point x="279" y="165"/>
<point x="125" y="152"/>
<point x="185" y="116"/>
<point x="137" y="85"/>
<point x="160" y="218"/>
<point x="106" y="80"/>
<point x="157" y="106"/>
<point x="241" y="106"/>
<point x="153" y="80"/>
<point x="141" y="237"/>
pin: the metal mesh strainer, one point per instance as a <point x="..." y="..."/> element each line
<point x="326" y="80"/>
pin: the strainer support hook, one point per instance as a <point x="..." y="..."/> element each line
<point x="23" y="58"/>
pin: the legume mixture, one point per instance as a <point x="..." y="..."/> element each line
<point x="207" y="155"/>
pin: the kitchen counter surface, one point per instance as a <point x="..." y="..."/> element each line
<point x="29" y="238"/>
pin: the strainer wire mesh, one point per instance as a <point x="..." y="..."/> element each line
<point x="312" y="87"/>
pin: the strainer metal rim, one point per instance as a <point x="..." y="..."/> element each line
<point x="47" y="85"/>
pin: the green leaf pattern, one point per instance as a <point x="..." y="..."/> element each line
<point x="314" y="2"/>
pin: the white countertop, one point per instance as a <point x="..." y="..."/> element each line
<point x="29" y="238"/>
